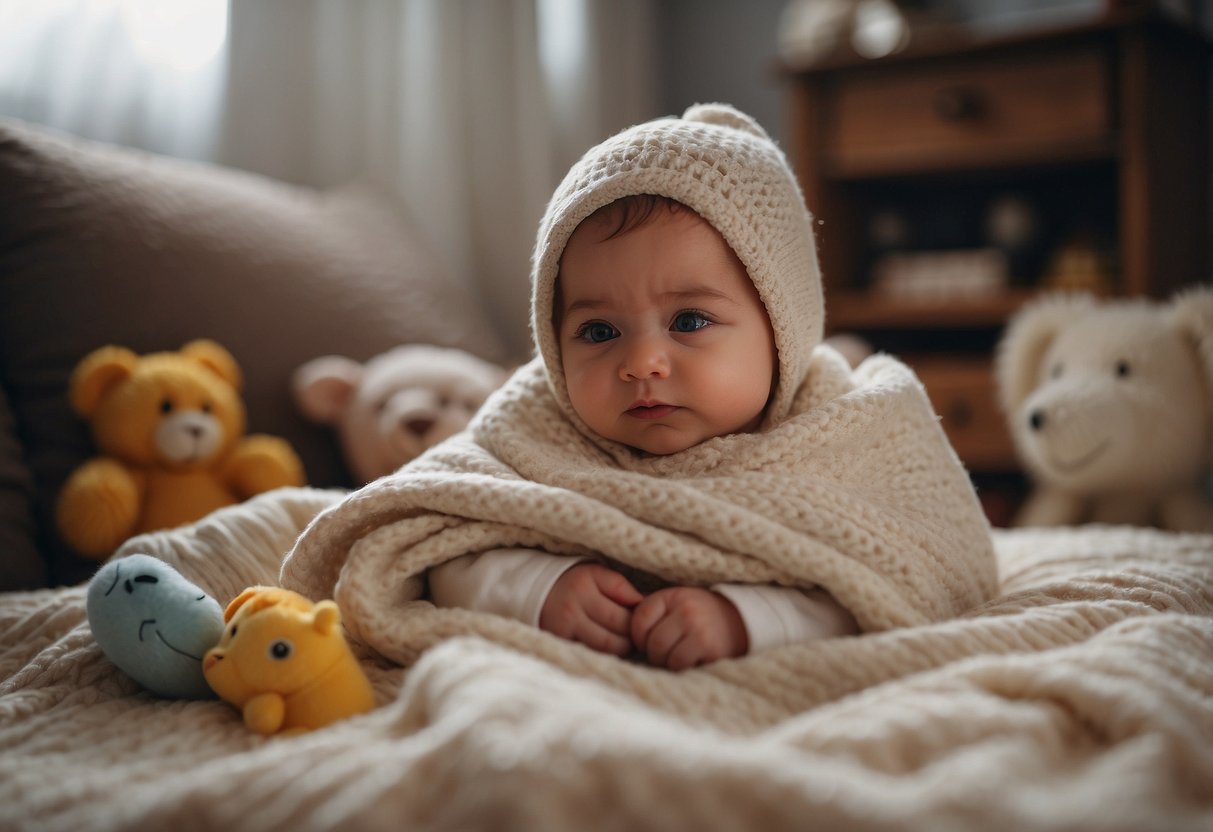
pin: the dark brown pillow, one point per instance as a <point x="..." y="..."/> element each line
<point x="103" y="245"/>
<point x="21" y="566"/>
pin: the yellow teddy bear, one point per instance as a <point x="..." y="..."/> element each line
<point x="169" y="426"/>
<point x="284" y="662"/>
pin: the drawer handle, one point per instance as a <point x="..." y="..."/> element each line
<point x="957" y="104"/>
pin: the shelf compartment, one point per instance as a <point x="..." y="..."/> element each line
<point x="863" y="311"/>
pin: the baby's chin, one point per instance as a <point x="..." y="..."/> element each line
<point x="661" y="451"/>
<point x="662" y="441"/>
<point x="667" y="440"/>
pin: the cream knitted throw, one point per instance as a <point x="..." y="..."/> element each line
<point x="1078" y="699"/>
<point x="858" y="492"/>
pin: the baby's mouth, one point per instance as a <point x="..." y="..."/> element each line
<point x="650" y="411"/>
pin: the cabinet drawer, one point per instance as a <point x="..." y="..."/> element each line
<point x="965" y="396"/>
<point x="994" y="111"/>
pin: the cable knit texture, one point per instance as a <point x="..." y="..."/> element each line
<point x="1077" y="699"/>
<point x="857" y="491"/>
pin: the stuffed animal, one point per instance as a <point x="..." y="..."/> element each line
<point x="1111" y="409"/>
<point x="169" y="426"/>
<point x="284" y="662"/>
<point x="396" y="405"/>
<point x="154" y="625"/>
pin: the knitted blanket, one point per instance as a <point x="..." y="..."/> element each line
<point x="1079" y="698"/>
<point x="857" y="491"/>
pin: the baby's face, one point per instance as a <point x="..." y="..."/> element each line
<point x="663" y="338"/>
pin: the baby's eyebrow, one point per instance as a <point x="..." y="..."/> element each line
<point x="698" y="293"/>
<point x="695" y="293"/>
<point x="585" y="303"/>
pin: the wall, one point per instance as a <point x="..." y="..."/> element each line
<point x="720" y="50"/>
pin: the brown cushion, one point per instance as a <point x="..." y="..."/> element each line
<point x="21" y="566"/>
<point x="102" y="245"/>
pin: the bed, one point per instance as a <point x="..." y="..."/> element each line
<point x="1080" y="698"/>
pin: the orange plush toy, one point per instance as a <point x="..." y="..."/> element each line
<point x="170" y="427"/>
<point x="284" y="662"/>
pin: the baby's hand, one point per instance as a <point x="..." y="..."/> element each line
<point x="591" y="604"/>
<point x="684" y="626"/>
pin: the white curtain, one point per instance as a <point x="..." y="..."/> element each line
<point x="145" y="73"/>
<point x="469" y="111"/>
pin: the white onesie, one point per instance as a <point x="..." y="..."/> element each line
<point x="516" y="582"/>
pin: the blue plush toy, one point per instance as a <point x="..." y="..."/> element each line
<point x="154" y="625"/>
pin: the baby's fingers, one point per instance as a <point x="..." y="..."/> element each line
<point x="609" y="615"/>
<point x="597" y="637"/>
<point x="664" y="639"/>
<point x="687" y="653"/>
<point x="617" y="588"/>
<point x="645" y="617"/>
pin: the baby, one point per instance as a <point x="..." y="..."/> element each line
<point x="684" y="473"/>
<point x="664" y="342"/>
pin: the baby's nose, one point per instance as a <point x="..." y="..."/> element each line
<point x="644" y="358"/>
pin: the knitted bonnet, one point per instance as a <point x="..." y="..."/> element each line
<point x="722" y="164"/>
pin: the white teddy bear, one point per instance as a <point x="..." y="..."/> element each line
<point x="1111" y="408"/>
<point x="396" y="405"/>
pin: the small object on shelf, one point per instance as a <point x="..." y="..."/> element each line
<point x="1078" y="265"/>
<point x="889" y="229"/>
<point x="880" y="29"/>
<point x="813" y="30"/>
<point x="1012" y="224"/>
<point x="941" y="275"/>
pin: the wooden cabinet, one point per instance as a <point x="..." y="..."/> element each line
<point x="995" y="109"/>
<point x="1100" y="131"/>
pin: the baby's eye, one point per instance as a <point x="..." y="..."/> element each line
<point x="689" y="321"/>
<point x="1122" y="369"/>
<point x="597" y="332"/>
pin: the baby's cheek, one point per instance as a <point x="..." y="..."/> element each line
<point x="587" y="382"/>
<point x="743" y="393"/>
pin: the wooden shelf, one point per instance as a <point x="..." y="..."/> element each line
<point x="1101" y="128"/>
<point x="931" y="161"/>
<point x="956" y="41"/>
<point x="863" y="310"/>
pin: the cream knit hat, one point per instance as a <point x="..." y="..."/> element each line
<point x="722" y="164"/>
